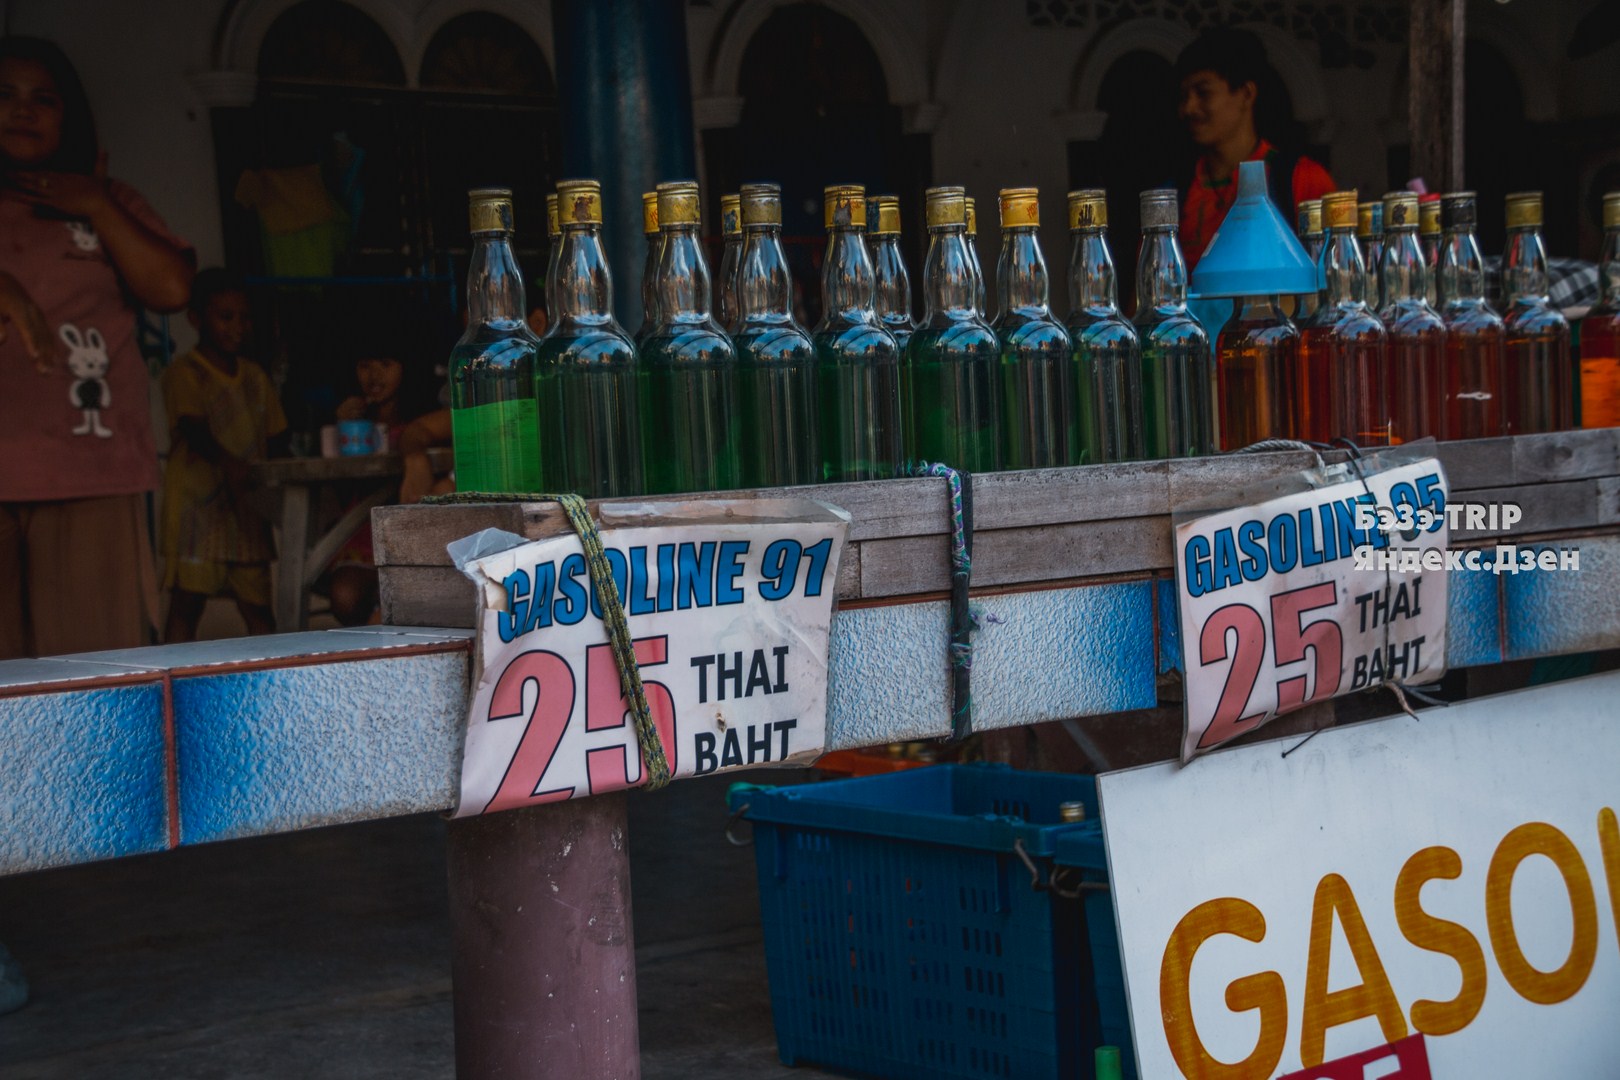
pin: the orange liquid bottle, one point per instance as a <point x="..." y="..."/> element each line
<point x="1417" y="335"/>
<point x="1257" y="356"/>
<point x="1356" y="346"/>
<point x="1474" y="359"/>
<point x="1600" y="332"/>
<point x="1541" y="379"/>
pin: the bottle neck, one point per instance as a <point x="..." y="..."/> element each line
<point x="1524" y="266"/>
<point x="972" y="244"/>
<point x="892" y="292"/>
<point x="1161" y="272"/>
<point x="1021" y="280"/>
<point x="950" y="287"/>
<point x="649" y="279"/>
<point x="1405" y="272"/>
<point x="1609" y="267"/>
<point x="683" y="276"/>
<point x="726" y="287"/>
<point x="494" y="282"/>
<point x="1462" y="270"/>
<point x="1345" y="270"/>
<point x="1092" y="284"/>
<point x="1260" y="309"/>
<point x="584" y="285"/>
<point x="847" y="281"/>
<point x="764" y="287"/>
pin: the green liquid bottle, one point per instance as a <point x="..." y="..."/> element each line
<point x="972" y="238"/>
<point x="585" y="374"/>
<point x="553" y="255"/>
<point x="725" y="299"/>
<point x="1039" y="398"/>
<point x="1107" y="355"/>
<point x="688" y="371"/>
<point x="493" y="418"/>
<point x="891" y="294"/>
<point x="857" y="359"/>
<point x="949" y="387"/>
<point x="649" y="266"/>
<point x="776" y="360"/>
<point x="1178" y="376"/>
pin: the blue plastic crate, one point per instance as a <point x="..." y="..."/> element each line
<point x="903" y="934"/>
<point x="1082" y="864"/>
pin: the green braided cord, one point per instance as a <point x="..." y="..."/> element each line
<point x="618" y="627"/>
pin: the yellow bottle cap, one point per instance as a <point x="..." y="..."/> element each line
<point x="970" y="215"/>
<point x="883" y="215"/>
<point x="490" y="209"/>
<point x="1611" y="210"/>
<point x="678" y="203"/>
<point x="1088" y="209"/>
<point x="761" y="204"/>
<point x="1429" y="217"/>
<point x="649" y="212"/>
<point x="1020" y="207"/>
<point x="843" y="206"/>
<point x="944" y="207"/>
<point x="1401" y="210"/>
<point x="731" y="215"/>
<point x="1339" y="210"/>
<point x="1308" y="218"/>
<point x="579" y="202"/>
<point x="1524" y="210"/>
<point x="1369" y="219"/>
<point x="552" y="227"/>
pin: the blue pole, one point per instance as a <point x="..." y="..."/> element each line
<point x="626" y="92"/>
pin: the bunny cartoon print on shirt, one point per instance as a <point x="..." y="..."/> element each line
<point x="87" y="360"/>
<point x="84" y="235"/>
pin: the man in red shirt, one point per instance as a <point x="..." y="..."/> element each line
<point x="1224" y="78"/>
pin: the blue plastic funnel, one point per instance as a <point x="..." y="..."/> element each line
<point x="1254" y="252"/>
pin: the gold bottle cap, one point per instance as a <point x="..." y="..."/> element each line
<point x="1088" y="209"/>
<point x="883" y="215"/>
<point x="649" y="212"/>
<point x="1401" y="210"/>
<point x="1020" y="207"/>
<point x="678" y="203"/>
<point x="944" y="207"/>
<point x="761" y="204"/>
<point x="579" y="202"/>
<point x="1310" y="218"/>
<point x="1429" y="216"/>
<point x="1071" y="811"/>
<point x="731" y="215"/>
<point x="552" y="227"/>
<point x="843" y="206"/>
<point x="490" y="209"/>
<point x="1339" y="210"/>
<point x="1524" y="210"/>
<point x="970" y="214"/>
<point x="1160" y="208"/>
<point x="1611" y="210"/>
<point x="1369" y="219"/>
<point x="1459" y="209"/>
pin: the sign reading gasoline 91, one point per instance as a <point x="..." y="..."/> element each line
<point x="730" y="622"/>
<point x="1277" y="611"/>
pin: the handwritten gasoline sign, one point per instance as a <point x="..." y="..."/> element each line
<point x="730" y="621"/>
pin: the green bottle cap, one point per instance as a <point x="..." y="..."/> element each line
<point x="1106" y="1063"/>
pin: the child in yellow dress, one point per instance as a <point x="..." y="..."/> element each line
<point x="223" y="412"/>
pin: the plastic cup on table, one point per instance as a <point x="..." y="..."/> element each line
<point x="356" y="437"/>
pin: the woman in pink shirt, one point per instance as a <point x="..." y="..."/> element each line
<point x="77" y="253"/>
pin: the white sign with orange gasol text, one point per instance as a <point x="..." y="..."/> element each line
<point x="1401" y="898"/>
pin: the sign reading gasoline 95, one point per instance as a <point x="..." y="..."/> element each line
<point x="730" y="624"/>
<point x="1277" y="612"/>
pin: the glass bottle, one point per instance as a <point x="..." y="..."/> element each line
<point x="553" y="256"/>
<point x="973" y="257"/>
<point x="1417" y="335"/>
<point x="1600" y="331"/>
<point x="1107" y="356"/>
<point x="725" y="303"/>
<point x="1178" y="383"/>
<point x="1541" y="380"/>
<point x="492" y="410"/>
<point x="1039" y="426"/>
<point x="1357" y="352"/>
<point x="1256" y="358"/>
<point x="1370" y="235"/>
<point x="892" y="294"/>
<point x="1429" y="238"/>
<point x="649" y="266"/>
<point x="585" y="374"/>
<point x="857" y="359"/>
<point x="1475" y="365"/>
<point x="776" y="360"/>
<point x="688" y="366"/>
<point x="949" y="386"/>
<point x="1310" y="234"/>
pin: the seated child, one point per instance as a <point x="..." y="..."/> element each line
<point x="223" y="412"/>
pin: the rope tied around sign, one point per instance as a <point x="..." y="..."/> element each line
<point x="613" y="617"/>
<point x="964" y="619"/>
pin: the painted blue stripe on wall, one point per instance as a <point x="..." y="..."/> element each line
<point x="1169" y="625"/>
<point x="1473" y="619"/>
<point x="1550" y="612"/>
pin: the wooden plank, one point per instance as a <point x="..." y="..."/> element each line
<point x="1434" y="105"/>
<point x="1011" y="500"/>
<point x="1547" y="508"/>
<point x="1566" y="455"/>
<point x="1193" y="480"/>
<point x="1609" y="501"/>
<point x="1476" y="463"/>
<point x="322" y="470"/>
<point x="426" y="596"/>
